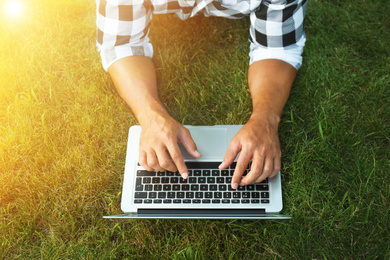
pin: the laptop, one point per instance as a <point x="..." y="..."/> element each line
<point x="205" y="194"/>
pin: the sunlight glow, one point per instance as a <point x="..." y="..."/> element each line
<point x="13" y="8"/>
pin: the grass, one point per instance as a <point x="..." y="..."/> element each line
<point x="63" y="134"/>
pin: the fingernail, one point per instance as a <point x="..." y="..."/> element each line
<point x="235" y="185"/>
<point x="242" y="184"/>
<point x="198" y="153"/>
<point x="222" y="165"/>
<point x="184" y="175"/>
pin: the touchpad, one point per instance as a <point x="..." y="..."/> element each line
<point x="211" y="142"/>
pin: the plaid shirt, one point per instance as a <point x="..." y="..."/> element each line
<point x="276" y="26"/>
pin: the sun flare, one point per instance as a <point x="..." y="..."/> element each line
<point x="13" y="8"/>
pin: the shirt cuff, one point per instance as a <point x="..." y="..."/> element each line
<point x="113" y="54"/>
<point x="291" y="54"/>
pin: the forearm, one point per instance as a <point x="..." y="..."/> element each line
<point x="135" y="80"/>
<point x="270" y="83"/>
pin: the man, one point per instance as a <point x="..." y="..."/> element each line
<point x="277" y="40"/>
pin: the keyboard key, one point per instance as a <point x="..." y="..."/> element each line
<point x="196" y="201"/>
<point x="187" y="201"/>
<point x="181" y="180"/>
<point x="222" y="187"/>
<point x="199" y="195"/>
<point x="245" y="201"/>
<point x="148" y="187"/>
<point x="215" y="172"/>
<point x="202" y="180"/>
<point x="192" y="180"/>
<point x="189" y="173"/>
<point x="165" y="180"/>
<point x="152" y="195"/>
<point x="237" y="195"/>
<point x="206" y="201"/>
<point x="147" y="180"/>
<point x="162" y="195"/>
<point x="255" y="195"/>
<point x="210" y="179"/>
<point x="157" y="187"/>
<point x="235" y="201"/>
<point x="185" y="187"/>
<point x="139" y="187"/>
<point x="262" y="187"/>
<point x="255" y="201"/>
<point x="225" y="173"/>
<point x="137" y="201"/>
<point x="241" y="188"/>
<point x="208" y="195"/>
<point x="250" y="187"/>
<point x="141" y="195"/>
<point x="160" y="173"/>
<point x="158" y="201"/>
<point x="189" y="195"/>
<point x="197" y="173"/>
<point x="167" y="201"/>
<point x="220" y="180"/>
<point x="213" y="187"/>
<point x="145" y="173"/>
<point x="228" y="180"/>
<point x="227" y="195"/>
<point x="147" y="201"/>
<point x="206" y="173"/>
<point x="264" y="195"/>
<point x="175" y="180"/>
<point x="216" y="201"/>
<point x="171" y="195"/>
<point x="231" y="172"/>
<point x="246" y="195"/>
<point x="204" y="187"/>
<point x="170" y="173"/>
<point x="180" y="195"/>
<point x="176" y="201"/>
<point x="225" y="201"/>
<point x="156" y="180"/>
<point x="194" y="187"/>
<point x="167" y="187"/>
<point x="217" y="195"/>
<point x="176" y="187"/>
<point x="265" y="201"/>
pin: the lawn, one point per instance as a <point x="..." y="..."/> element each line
<point x="63" y="134"/>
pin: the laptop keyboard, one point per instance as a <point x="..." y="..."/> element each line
<point x="206" y="184"/>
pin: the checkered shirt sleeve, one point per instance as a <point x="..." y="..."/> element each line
<point x="122" y="29"/>
<point x="276" y="31"/>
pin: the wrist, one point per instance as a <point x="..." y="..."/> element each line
<point x="265" y="118"/>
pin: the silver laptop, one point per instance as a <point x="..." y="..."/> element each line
<point x="206" y="193"/>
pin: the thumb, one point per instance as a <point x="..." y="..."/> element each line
<point x="230" y="155"/>
<point x="188" y="143"/>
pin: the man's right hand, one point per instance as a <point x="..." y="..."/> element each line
<point x="135" y="79"/>
<point x="159" y="149"/>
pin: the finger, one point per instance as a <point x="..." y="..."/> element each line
<point x="152" y="161"/>
<point x="256" y="170"/>
<point x="242" y="164"/>
<point x="230" y="155"/>
<point x="143" y="161"/>
<point x="188" y="143"/>
<point x="267" y="170"/>
<point x="165" y="161"/>
<point x="277" y="167"/>
<point x="177" y="159"/>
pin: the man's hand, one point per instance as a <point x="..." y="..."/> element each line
<point x="257" y="141"/>
<point x="270" y="83"/>
<point x="159" y="150"/>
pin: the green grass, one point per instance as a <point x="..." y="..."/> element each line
<point x="63" y="134"/>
